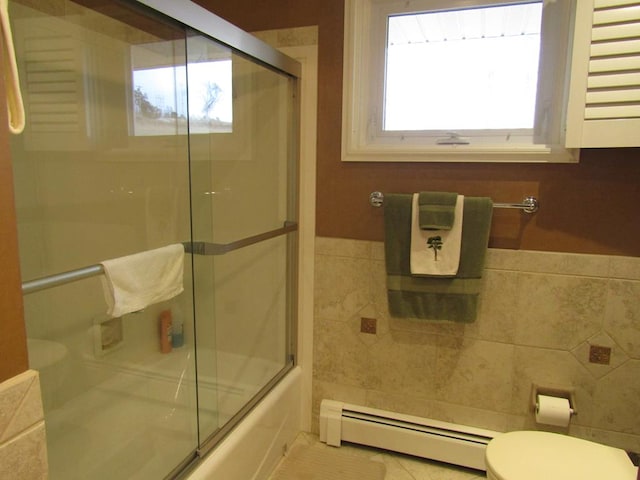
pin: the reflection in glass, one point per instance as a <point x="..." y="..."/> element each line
<point x="160" y="93"/>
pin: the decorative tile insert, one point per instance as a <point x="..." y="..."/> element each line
<point x="599" y="354"/>
<point x="599" y="369"/>
<point x="368" y="325"/>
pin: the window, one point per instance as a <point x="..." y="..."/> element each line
<point x="435" y="80"/>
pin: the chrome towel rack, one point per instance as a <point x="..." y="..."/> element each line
<point x="528" y="204"/>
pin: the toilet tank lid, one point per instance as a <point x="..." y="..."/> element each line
<point x="530" y="455"/>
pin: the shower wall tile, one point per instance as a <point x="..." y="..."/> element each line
<point x="539" y="312"/>
<point x="23" y="448"/>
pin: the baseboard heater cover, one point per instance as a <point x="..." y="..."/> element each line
<point x="421" y="437"/>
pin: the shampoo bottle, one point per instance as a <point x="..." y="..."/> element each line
<point x="166" y="331"/>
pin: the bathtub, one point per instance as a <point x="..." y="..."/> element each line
<point x="123" y="388"/>
<point x="252" y="450"/>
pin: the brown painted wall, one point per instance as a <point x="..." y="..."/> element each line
<point x="588" y="208"/>
<point x="13" y="346"/>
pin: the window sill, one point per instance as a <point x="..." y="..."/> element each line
<point x="459" y="153"/>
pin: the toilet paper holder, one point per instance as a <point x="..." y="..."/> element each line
<point x="553" y="391"/>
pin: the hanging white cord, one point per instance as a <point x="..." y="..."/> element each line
<point x="12" y="82"/>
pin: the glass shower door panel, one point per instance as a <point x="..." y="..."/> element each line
<point x="243" y="168"/>
<point x="102" y="172"/>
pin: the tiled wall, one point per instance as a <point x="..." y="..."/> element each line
<point x="23" y="447"/>
<point x="539" y="313"/>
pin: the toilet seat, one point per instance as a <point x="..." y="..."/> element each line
<point x="532" y="455"/>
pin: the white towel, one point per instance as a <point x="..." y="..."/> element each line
<point x="436" y="252"/>
<point x="136" y="281"/>
<point x="15" y="106"/>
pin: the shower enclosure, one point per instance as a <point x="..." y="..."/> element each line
<point x="149" y="127"/>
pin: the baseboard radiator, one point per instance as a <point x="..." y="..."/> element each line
<point x="422" y="437"/>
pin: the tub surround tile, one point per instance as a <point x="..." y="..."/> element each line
<point x="23" y="448"/>
<point x="20" y="404"/>
<point x="538" y="315"/>
<point x="24" y="457"/>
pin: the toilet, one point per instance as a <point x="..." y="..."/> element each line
<point x="533" y="455"/>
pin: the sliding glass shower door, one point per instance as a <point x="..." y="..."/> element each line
<point x="243" y="207"/>
<point x="143" y="133"/>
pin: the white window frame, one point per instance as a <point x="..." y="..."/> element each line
<point x="362" y="136"/>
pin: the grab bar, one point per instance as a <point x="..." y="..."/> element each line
<point x="197" y="248"/>
<point x="528" y="205"/>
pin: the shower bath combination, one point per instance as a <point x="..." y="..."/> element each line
<point x="152" y="123"/>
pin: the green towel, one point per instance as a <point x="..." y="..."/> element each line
<point x="436" y="210"/>
<point x="435" y="298"/>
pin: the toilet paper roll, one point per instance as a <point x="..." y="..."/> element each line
<point x="553" y="411"/>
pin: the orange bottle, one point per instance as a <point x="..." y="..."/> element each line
<point x="165" y="331"/>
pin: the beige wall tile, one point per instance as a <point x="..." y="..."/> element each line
<point x="622" y="319"/>
<point x="20" y="404"/>
<point x="472" y="373"/>
<point x="25" y="457"/>
<point x="625" y="268"/>
<point x="559" y="311"/>
<point x="406" y="363"/>
<point x="564" y="263"/>
<point x="503" y="259"/>
<point x="23" y="452"/>
<point x="617" y="400"/>
<point x="343" y="247"/>
<point x="498" y="308"/>
<point x="341" y="285"/>
<point x="538" y="314"/>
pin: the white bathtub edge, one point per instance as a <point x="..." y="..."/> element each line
<point x="254" y="448"/>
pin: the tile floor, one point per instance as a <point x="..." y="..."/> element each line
<point x="398" y="466"/>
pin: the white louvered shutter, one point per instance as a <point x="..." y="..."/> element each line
<point x="606" y="108"/>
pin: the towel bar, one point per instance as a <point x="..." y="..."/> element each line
<point x="198" y="248"/>
<point x="528" y="205"/>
